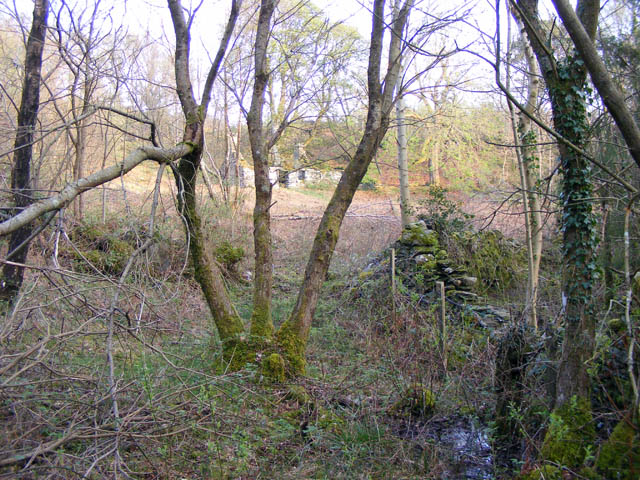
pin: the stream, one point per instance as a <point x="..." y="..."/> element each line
<point x="459" y="444"/>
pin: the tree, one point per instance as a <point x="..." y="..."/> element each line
<point x="294" y="333"/>
<point x="565" y="80"/>
<point x="88" y="50"/>
<point x="13" y="272"/>
<point x="291" y="339"/>
<point x="527" y="156"/>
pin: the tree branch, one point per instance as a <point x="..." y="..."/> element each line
<point x="73" y="189"/>
<point x="611" y="96"/>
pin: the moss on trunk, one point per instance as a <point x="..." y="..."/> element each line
<point x="620" y="455"/>
<point x="292" y="344"/>
<point x="570" y="435"/>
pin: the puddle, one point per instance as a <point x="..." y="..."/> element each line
<point x="458" y="443"/>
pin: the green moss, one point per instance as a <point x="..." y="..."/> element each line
<point x="418" y="234"/>
<point x="228" y="255"/>
<point x="619" y="457"/>
<point x="429" y="266"/>
<point x="417" y="401"/>
<point x="545" y="472"/>
<point x="261" y="322"/>
<point x="570" y="434"/>
<point x="273" y="367"/>
<point x="236" y="353"/>
<point x="102" y="246"/>
<point x="493" y="260"/>
<point x="293" y="349"/>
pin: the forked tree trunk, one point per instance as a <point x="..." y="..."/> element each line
<point x="207" y="272"/>
<point x="13" y="275"/>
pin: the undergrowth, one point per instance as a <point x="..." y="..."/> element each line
<point x="387" y="394"/>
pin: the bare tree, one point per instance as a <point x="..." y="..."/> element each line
<point x="13" y="273"/>
<point x="527" y="156"/>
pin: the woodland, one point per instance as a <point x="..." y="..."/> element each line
<point x="297" y="239"/>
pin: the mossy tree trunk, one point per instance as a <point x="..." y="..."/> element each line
<point x="294" y="332"/>
<point x="207" y="272"/>
<point x="261" y="320"/>
<point x="565" y="81"/>
<point x="13" y="273"/>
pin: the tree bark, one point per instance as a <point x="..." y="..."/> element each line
<point x="261" y="321"/>
<point x="207" y="272"/>
<point x="294" y="333"/>
<point x="528" y="162"/>
<point x="403" y="163"/>
<point x="72" y="190"/>
<point x="566" y="83"/>
<point x="13" y="275"/>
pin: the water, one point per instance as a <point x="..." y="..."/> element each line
<point x="462" y="447"/>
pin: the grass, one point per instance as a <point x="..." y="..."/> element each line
<point x="180" y="417"/>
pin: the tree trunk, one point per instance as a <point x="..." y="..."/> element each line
<point x="261" y="321"/>
<point x="403" y="164"/>
<point x="207" y="273"/>
<point x="294" y="333"/>
<point x="565" y="82"/>
<point x="434" y="163"/>
<point x="13" y="275"/>
<point x="528" y="162"/>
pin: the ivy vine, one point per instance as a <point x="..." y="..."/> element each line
<point x="569" y="96"/>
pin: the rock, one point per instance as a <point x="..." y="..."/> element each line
<point x="469" y="281"/>
<point x="465" y="295"/>
<point x="422" y="259"/>
<point x="419" y="234"/>
<point x="487" y="312"/>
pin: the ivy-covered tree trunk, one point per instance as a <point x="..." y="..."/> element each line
<point x="566" y="83"/>
<point x="13" y="273"/>
<point x="578" y="230"/>
<point x="571" y="429"/>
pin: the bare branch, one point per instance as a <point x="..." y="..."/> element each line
<point x="73" y="189"/>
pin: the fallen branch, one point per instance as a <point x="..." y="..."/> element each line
<point x="72" y="190"/>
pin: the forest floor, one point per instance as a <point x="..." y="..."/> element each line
<point x="181" y="416"/>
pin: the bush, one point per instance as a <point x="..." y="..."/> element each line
<point x="228" y="255"/>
